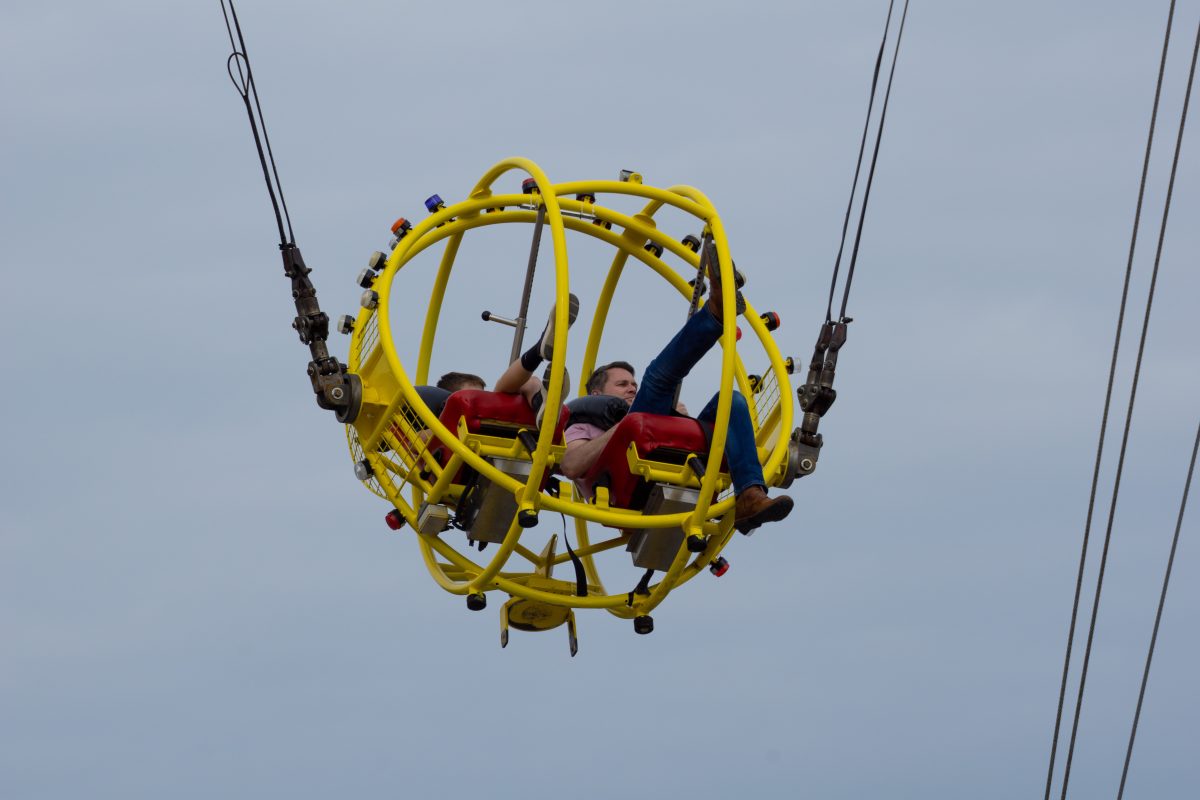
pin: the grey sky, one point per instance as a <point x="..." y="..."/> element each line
<point x="197" y="599"/>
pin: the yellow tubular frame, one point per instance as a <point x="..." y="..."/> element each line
<point x="455" y="572"/>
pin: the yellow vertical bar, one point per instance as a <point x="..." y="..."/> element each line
<point x="436" y="296"/>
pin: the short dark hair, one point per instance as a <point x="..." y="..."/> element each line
<point x="453" y="381"/>
<point x="599" y="376"/>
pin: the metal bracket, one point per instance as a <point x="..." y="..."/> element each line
<point x="817" y="394"/>
<point x="336" y="388"/>
<point x="804" y="449"/>
<point x="816" y="397"/>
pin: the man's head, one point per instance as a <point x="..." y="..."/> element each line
<point x="453" y="381"/>
<point x="614" y="379"/>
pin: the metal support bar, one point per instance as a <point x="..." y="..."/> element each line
<point x="529" y="271"/>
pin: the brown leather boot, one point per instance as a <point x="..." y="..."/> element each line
<point x="754" y="508"/>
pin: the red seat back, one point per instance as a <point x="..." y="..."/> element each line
<point x="490" y="413"/>
<point x="658" y="438"/>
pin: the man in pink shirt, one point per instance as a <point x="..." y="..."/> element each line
<point x="585" y="441"/>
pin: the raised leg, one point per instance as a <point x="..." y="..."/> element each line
<point x="657" y="391"/>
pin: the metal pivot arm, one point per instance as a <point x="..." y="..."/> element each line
<point x="336" y="389"/>
<point x="817" y="394"/>
<point x="816" y="397"/>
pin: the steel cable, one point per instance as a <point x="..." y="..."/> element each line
<point x="862" y="147"/>
<point x="244" y="83"/>
<point x="862" y="214"/>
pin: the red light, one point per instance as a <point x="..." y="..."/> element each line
<point x="394" y="520"/>
<point x="719" y="567"/>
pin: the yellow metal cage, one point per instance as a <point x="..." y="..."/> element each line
<point x="394" y="427"/>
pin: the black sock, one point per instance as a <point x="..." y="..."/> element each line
<point x="531" y="359"/>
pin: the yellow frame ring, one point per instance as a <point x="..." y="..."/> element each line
<point x="454" y="222"/>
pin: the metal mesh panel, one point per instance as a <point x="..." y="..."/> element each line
<point x="767" y="396"/>
<point x="407" y="441"/>
<point x="369" y="338"/>
<point x="357" y="454"/>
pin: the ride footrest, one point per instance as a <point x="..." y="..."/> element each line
<point x="656" y="548"/>
<point x="432" y="519"/>
<point x="486" y="510"/>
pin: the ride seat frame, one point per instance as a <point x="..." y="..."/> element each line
<point x="647" y="466"/>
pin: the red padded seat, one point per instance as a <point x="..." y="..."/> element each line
<point x="490" y="413"/>
<point x="658" y="438"/>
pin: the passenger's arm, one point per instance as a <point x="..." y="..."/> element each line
<point x="581" y="454"/>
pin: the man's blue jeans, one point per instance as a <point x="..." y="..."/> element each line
<point x="671" y="366"/>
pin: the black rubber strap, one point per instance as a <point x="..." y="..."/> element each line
<point x="643" y="586"/>
<point x="581" y="587"/>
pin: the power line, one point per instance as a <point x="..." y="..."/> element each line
<point x="1162" y="599"/>
<point x="1112" y="370"/>
<point x="1129" y="411"/>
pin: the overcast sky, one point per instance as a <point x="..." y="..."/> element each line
<point x="197" y="598"/>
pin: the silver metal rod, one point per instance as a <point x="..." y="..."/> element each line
<point x="564" y="212"/>
<point x="519" y="335"/>
<point x="490" y="317"/>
